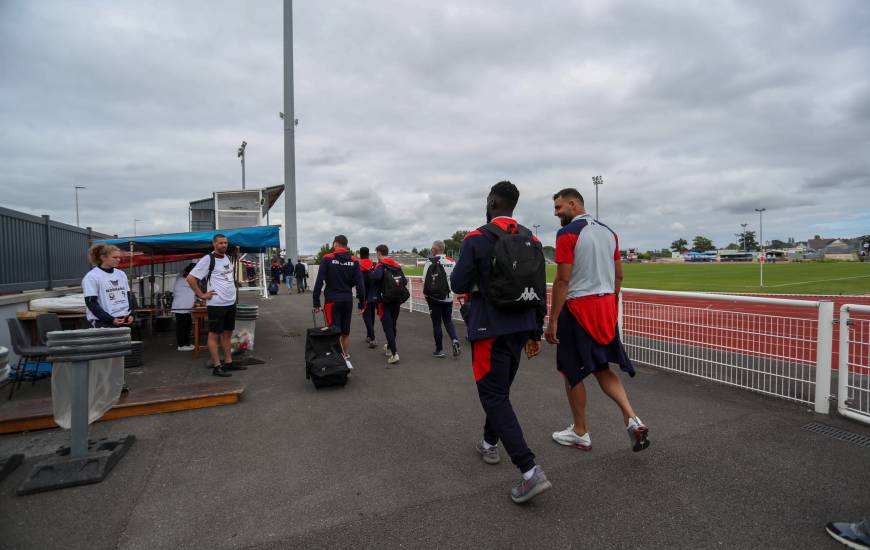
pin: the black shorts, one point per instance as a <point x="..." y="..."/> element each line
<point x="578" y="355"/>
<point x="338" y="315"/>
<point x="221" y="318"/>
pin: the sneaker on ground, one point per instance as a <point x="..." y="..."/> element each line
<point x="372" y="344"/>
<point x="439" y="353"/>
<point x="456" y="349"/>
<point x="218" y="371"/>
<point x="230" y="366"/>
<point x="637" y="434"/>
<point x="490" y="456"/>
<point x="387" y="351"/>
<point x="393" y="359"/>
<point x="853" y="535"/>
<point x="527" y="489"/>
<point x="347" y="361"/>
<point x="569" y="438"/>
<point x="185" y="348"/>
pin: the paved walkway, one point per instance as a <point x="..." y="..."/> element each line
<point x="389" y="462"/>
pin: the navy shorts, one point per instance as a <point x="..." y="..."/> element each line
<point x="221" y="318"/>
<point x="578" y="355"/>
<point x="338" y="315"/>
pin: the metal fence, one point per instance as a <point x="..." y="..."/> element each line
<point x="778" y="347"/>
<point x="853" y="392"/>
<point x="40" y="253"/>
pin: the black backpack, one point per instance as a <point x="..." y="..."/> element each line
<point x="436" y="285"/>
<point x="518" y="280"/>
<point x="394" y="288"/>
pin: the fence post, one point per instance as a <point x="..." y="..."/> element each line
<point x="824" y="350"/>
<point x="843" y="368"/>
<point x="48" y="274"/>
<point x="619" y="313"/>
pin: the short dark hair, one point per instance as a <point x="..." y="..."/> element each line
<point x="218" y="236"/>
<point x="363" y="252"/>
<point x="340" y="239"/>
<point x="506" y="195"/>
<point x="569" y="193"/>
<point x="383" y="249"/>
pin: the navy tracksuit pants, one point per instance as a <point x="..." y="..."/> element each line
<point x="496" y="361"/>
<point x="389" y="314"/>
<point x="369" y="319"/>
<point x="441" y="312"/>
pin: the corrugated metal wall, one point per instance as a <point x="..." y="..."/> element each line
<point x="38" y="253"/>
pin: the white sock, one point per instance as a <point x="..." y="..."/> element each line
<point x="634" y="421"/>
<point x="487" y="446"/>
<point x="528" y="475"/>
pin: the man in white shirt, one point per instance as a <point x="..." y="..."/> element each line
<point x="220" y="297"/>
<point x="439" y="297"/>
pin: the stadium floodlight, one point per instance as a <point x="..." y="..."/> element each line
<point x="761" y="245"/>
<point x="596" y="181"/>
<point x="743" y="225"/>
<point x="241" y="155"/>
<point x="536" y="226"/>
<point x="77" y="187"/>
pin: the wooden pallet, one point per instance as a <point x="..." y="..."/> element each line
<point x="37" y="414"/>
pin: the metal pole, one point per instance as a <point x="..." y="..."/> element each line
<point x="596" y="181"/>
<point x="761" y="246"/>
<point x="843" y="367"/>
<point x="743" y="225"/>
<point x="290" y="234"/>
<point x="824" y="350"/>
<point x="243" y="170"/>
<point x="79" y="382"/>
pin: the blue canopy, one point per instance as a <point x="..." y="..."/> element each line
<point x="249" y="239"/>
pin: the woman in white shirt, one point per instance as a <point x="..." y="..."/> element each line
<point x="107" y="294"/>
<point x="182" y="303"/>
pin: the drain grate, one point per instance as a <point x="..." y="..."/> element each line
<point x="837" y="433"/>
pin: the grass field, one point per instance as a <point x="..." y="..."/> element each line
<point x="781" y="278"/>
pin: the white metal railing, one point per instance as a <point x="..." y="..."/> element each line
<point x="853" y="392"/>
<point x="775" y="346"/>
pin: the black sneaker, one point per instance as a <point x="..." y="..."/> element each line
<point x="125" y="389"/>
<point x="439" y="354"/>
<point x="218" y="371"/>
<point x="230" y="366"/>
<point x="853" y="535"/>
<point x="456" y="349"/>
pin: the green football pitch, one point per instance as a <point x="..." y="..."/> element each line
<point x="779" y="278"/>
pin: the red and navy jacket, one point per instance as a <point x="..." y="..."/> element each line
<point x="340" y="271"/>
<point x="367" y="267"/>
<point x="471" y="275"/>
<point x="386" y="264"/>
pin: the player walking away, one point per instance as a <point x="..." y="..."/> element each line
<point x="390" y="288"/>
<point x="588" y="279"/>
<point x="367" y="266"/>
<point x="183" y="299"/>
<point x="287" y="269"/>
<point x="108" y="300"/>
<point x="502" y="265"/>
<point x="220" y="296"/>
<point x="301" y="273"/>
<point x="439" y="297"/>
<point x="339" y="273"/>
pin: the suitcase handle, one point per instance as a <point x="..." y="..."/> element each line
<point x="314" y="318"/>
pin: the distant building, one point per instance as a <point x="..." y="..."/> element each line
<point x="236" y="209"/>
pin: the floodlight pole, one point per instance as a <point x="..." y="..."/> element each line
<point x="77" y="187"/>
<point x="536" y="226"/>
<point x="596" y="181"/>
<point x="241" y="155"/>
<point x="761" y="246"/>
<point x="743" y="225"/>
<point x="290" y="235"/>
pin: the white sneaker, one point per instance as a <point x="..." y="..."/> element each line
<point x="347" y="361"/>
<point x="387" y="351"/>
<point x="185" y="348"/>
<point x="393" y="359"/>
<point x="569" y="438"/>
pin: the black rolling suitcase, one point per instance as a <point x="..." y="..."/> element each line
<point x="324" y="363"/>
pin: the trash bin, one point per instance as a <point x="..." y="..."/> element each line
<point x="246" y="321"/>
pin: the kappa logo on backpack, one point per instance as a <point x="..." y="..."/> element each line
<point x="518" y="280"/>
<point x="393" y="288"/>
<point x="436" y="285"/>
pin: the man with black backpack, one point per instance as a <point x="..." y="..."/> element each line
<point x="390" y="290"/>
<point x="220" y="295"/>
<point x="367" y="266"/>
<point x="439" y="298"/>
<point x="502" y="266"/>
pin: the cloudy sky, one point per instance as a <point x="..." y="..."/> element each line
<point x="695" y="113"/>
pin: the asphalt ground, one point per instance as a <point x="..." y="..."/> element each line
<point x="389" y="461"/>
